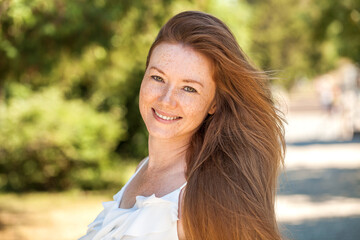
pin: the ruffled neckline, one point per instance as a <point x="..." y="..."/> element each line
<point x="150" y="215"/>
<point x="150" y="218"/>
<point x="170" y="197"/>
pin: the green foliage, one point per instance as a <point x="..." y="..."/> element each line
<point x="302" y="39"/>
<point x="279" y="40"/>
<point x="336" y="29"/>
<point x="50" y="143"/>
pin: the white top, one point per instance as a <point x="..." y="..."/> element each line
<point x="151" y="218"/>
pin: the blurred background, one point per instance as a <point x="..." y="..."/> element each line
<point x="71" y="133"/>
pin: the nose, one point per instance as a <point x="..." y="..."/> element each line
<point x="168" y="97"/>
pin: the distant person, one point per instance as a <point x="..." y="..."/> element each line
<point x="215" y="143"/>
<point x="327" y="92"/>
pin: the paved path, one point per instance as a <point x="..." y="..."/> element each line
<point x="319" y="194"/>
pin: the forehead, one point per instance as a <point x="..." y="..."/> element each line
<point x="176" y="58"/>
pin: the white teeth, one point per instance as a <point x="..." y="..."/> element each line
<point x="165" y="117"/>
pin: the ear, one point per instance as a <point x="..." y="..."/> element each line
<point x="212" y="109"/>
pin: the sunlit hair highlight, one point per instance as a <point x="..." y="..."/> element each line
<point x="234" y="157"/>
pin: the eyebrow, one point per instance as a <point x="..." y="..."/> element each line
<point x="184" y="80"/>
<point x="193" y="81"/>
<point x="157" y="69"/>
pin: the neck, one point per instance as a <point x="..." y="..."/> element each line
<point x="167" y="154"/>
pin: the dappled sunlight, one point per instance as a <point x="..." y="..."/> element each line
<point x="298" y="208"/>
<point x="319" y="189"/>
<point x="62" y="216"/>
<point x="323" y="156"/>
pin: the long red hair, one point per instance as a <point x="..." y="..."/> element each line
<point x="234" y="158"/>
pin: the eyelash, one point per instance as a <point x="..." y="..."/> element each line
<point x="186" y="88"/>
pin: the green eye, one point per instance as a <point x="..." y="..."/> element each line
<point x="189" y="89"/>
<point x="157" y="78"/>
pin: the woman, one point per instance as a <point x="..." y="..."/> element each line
<point x="215" y="143"/>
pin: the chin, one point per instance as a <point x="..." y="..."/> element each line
<point x="162" y="134"/>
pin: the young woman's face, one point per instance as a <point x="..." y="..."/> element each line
<point x="177" y="91"/>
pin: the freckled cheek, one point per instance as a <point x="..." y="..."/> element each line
<point x="148" y="93"/>
<point x="194" y="106"/>
<point x="144" y="99"/>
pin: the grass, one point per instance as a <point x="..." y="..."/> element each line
<point x="56" y="216"/>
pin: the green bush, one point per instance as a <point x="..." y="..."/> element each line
<point x="48" y="143"/>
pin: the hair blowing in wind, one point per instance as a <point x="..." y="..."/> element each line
<point x="234" y="158"/>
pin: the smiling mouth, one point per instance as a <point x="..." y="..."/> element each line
<point x="165" y="117"/>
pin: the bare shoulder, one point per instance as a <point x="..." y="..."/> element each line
<point x="180" y="227"/>
<point x="140" y="163"/>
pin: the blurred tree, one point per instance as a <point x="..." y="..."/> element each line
<point x="281" y="40"/>
<point x="54" y="146"/>
<point x="335" y="32"/>
<point x="35" y="33"/>
<point x="302" y="39"/>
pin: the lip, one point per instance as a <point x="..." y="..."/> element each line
<point x="164" y="114"/>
